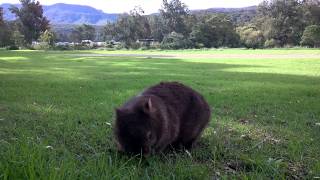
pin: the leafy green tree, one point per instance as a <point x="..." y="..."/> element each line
<point x="2" y="28"/>
<point x="157" y="27"/>
<point x="1" y="17"/>
<point x="87" y="32"/>
<point x="48" y="37"/>
<point x="311" y="36"/>
<point x="214" y="31"/>
<point x="251" y="37"/>
<point x="175" y="41"/>
<point x="83" y="32"/>
<point x="281" y="20"/>
<point x="30" y="19"/>
<point x="270" y="43"/>
<point x="18" y="39"/>
<point x="311" y="11"/>
<point x="129" y="28"/>
<point x="109" y="32"/>
<point x="6" y="29"/>
<point x="124" y="29"/>
<point x="175" y="13"/>
<point x="141" y="26"/>
<point x="75" y="36"/>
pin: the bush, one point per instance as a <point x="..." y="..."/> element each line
<point x="12" y="47"/>
<point x="41" y="46"/>
<point x="251" y="37"/>
<point x="270" y="43"/>
<point x="311" y="36"/>
<point x="199" y="45"/>
<point x="144" y="48"/>
<point x="110" y="45"/>
<point x="175" y="41"/>
<point x="154" y="45"/>
<point x="47" y="38"/>
<point x="62" y="48"/>
<point x="135" y="45"/>
<point x="79" y="47"/>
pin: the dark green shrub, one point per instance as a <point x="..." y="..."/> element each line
<point x="311" y="36"/>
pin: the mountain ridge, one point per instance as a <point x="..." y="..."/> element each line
<point x="74" y="14"/>
<point x="62" y="13"/>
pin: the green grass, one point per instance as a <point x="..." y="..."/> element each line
<point x="212" y="51"/>
<point x="57" y="112"/>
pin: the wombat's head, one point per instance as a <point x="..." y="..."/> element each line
<point x="135" y="129"/>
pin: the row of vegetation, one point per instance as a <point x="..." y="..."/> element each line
<point x="274" y="23"/>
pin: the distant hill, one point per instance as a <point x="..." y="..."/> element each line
<point x="7" y="14"/>
<point x="229" y="10"/>
<point x="78" y="14"/>
<point x="69" y="14"/>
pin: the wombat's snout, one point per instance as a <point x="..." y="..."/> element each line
<point x="146" y="151"/>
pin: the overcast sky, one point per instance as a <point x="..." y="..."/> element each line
<point x="150" y="6"/>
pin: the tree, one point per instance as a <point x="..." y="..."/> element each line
<point x="123" y="30"/>
<point x="109" y="32"/>
<point x="75" y="36"/>
<point x="175" y="41"/>
<point x="18" y="38"/>
<point x="30" y="19"/>
<point x="48" y="37"/>
<point x="2" y="28"/>
<point x="174" y="13"/>
<point x="312" y="11"/>
<point x="83" y="32"/>
<point x="214" y="31"/>
<point x="311" y="36"/>
<point x="5" y="31"/>
<point x="129" y="28"/>
<point x="141" y="26"/>
<point x="1" y="17"/>
<point x="281" y="20"/>
<point x="87" y="32"/>
<point x="251" y="37"/>
<point x="157" y="27"/>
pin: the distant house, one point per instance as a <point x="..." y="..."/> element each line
<point x="74" y="44"/>
<point x="147" y="42"/>
<point x="113" y="42"/>
<point x="62" y="44"/>
<point x="87" y="42"/>
<point x="35" y="43"/>
<point x="100" y="44"/>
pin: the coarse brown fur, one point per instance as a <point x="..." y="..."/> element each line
<point x="167" y="114"/>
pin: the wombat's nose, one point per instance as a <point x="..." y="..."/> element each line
<point x="146" y="151"/>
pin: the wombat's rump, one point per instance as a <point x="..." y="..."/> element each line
<point x="167" y="114"/>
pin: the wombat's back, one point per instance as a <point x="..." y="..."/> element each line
<point x="191" y="109"/>
<point x="176" y="96"/>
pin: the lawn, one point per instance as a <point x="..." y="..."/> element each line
<point x="57" y="113"/>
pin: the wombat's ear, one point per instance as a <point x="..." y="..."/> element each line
<point x="118" y="112"/>
<point x="148" y="107"/>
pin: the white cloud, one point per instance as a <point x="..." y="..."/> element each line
<point x="150" y="6"/>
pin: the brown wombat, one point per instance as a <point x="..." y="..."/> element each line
<point x="168" y="114"/>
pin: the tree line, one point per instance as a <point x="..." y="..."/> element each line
<point x="275" y="23"/>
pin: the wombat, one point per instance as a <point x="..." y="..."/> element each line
<point x="168" y="114"/>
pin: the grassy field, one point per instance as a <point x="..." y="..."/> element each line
<point x="57" y="113"/>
